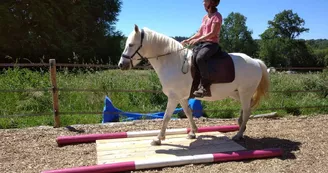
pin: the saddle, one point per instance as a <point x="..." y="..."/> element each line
<point x="221" y="70"/>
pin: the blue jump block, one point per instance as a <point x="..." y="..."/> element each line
<point x="113" y="114"/>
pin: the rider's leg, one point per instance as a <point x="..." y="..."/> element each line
<point x="204" y="54"/>
<point x="194" y="59"/>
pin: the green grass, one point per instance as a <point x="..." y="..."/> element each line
<point x="41" y="102"/>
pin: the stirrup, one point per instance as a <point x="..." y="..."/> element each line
<point x="202" y="92"/>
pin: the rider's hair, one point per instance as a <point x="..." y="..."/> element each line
<point x="215" y="3"/>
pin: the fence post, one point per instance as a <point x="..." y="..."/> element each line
<point x="52" y="63"/>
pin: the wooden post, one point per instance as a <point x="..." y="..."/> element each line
<point x="52" y="63"/>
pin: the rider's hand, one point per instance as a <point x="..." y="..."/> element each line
<point x="184" y="42"/>
<point x="194" y="41"/>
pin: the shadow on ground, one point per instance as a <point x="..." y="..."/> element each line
<point x="212" y="144"/>
<point x="288" y="146"/>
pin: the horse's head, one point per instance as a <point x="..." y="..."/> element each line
<point x="131" y="55"/>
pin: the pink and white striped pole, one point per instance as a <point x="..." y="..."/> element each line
<point x="67" y="140"/>
<point x="184" y="160"/>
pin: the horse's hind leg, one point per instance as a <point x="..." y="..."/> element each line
<point x="170" y="107"/>
<point x="188" y="112"/>
<point x="245" y="100"/>
<point x="240" y="119"/>
<point x="236" y="97"/>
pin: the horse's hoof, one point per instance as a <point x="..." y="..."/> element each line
<point x="155" y="142"/>
<point x="191" y="136"/>
<point x="162" y="138"/>
<point x="245" y="129"/>
<point x="237" y="137"/>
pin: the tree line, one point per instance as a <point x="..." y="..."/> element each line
<point x="70" y="31"/>
<point x="76" y="31"/>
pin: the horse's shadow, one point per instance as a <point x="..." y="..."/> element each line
<point x="288" y="146"/>
<point x="197" y="147"/>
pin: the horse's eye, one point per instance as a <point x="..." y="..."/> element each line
<point x="130" y="45"/>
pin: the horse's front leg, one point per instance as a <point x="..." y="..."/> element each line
<point x="188" y="112"/>
<point x="170" y="107"/>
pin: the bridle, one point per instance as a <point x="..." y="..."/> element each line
<point x="137" y="51"/>
<point x="142" y="57"/>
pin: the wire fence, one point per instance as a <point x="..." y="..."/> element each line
<point x="150" y="112"/>
<point x="54" y="89"/>
<point x="70" y="65"/>
<point x="116" y="67"/>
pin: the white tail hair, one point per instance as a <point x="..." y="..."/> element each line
<point x="264" y="85"/>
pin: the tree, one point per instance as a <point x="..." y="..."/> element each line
<point x="235" y="36"/>
<point x="287" y="25"/>
<point x="32" y="29"/>
<point x="320" y="50"/>
<point x="279" y="46"/>
<point x="272" y="52"/>
<point x="322" y="56"/>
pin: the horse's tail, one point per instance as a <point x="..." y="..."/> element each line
<point x="263" y="87"/>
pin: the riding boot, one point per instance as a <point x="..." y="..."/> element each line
<point x="204" y="89"/>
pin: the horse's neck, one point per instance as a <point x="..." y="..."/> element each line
<point x="166" y="63"/>
<point x="172" y="65"/>
<point x="169" y="67"/>
<point x="159" y="45"/>
<point x="170" y="54"/>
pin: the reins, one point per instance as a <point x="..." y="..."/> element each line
<point x="146" y="58"/>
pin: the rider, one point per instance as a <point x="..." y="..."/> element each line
<point x="207" y="44"/>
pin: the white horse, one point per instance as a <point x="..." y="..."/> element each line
<point x="168" y="57"/>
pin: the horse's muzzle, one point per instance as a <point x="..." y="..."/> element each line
<point x="124" y="66"/>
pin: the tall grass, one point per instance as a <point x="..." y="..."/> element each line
<point x="14" y="104"/>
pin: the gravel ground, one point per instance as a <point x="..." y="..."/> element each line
<point x="303" y="139"/>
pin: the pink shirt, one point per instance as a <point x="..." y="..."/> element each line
<point x="206" y="26"/>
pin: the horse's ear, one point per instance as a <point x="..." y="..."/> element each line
<point x="136" y="28"/>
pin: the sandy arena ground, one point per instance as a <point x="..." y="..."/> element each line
<point x="303" y="139"/>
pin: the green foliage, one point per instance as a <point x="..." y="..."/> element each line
<point x="41" y="102"/>
<point x="235" y="36"/>
<point x="320" y="53"/>
<point x="16" y="79"/>
<point x="272" y="52"/>
<point x="46" y="29"/>
<point x="319" y="82"/>
<point x="278" y="46"/>
<point x="287" y="24"/>
<point x="318" y="43"/>
<point x="282" y="52"/>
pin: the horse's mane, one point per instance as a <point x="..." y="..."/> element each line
<point x="155" y="37"/>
